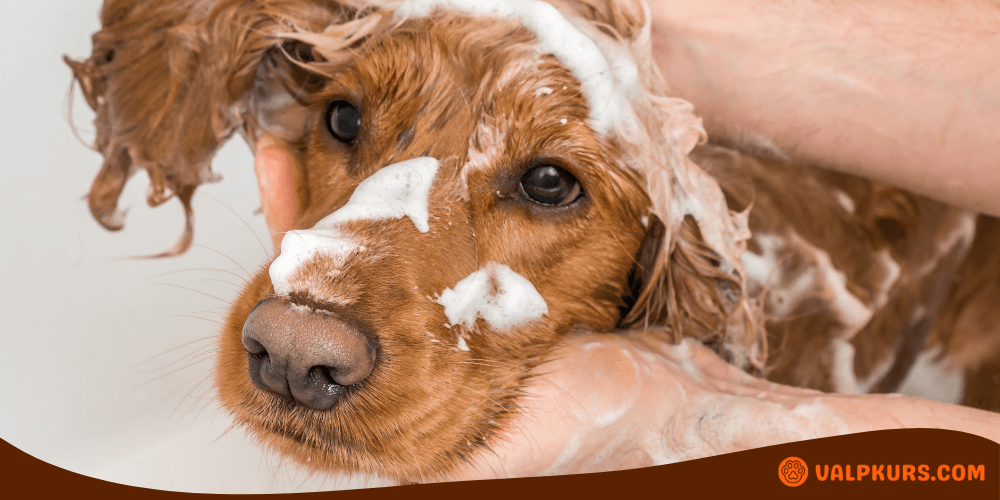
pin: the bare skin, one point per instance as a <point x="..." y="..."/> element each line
<point x="676" y="403"/>
<point x="906" y="93"/>
<point x="275" y="170"/>
<point x="609" y="402"/>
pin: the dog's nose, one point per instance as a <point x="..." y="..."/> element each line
<point x="303" y="354"/>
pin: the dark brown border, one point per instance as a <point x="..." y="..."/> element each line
<point x="750" y="473"/>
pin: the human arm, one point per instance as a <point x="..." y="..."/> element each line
<point x="900" y="92"/>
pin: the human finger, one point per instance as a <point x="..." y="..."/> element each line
<point x="275" y="166"/>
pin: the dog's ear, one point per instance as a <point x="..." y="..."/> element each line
<point x="692" y="280"/>
<point x="171" y="80"/>
<point x="689" y="276"/>
<point x="682" y="284"/>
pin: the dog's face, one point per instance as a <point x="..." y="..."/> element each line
<point x="530" y="226"/>
<point x="473" y="187"/>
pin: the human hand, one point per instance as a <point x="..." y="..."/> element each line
<point x="619" y="401"/>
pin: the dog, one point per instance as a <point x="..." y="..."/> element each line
<point x="480" y="178"/>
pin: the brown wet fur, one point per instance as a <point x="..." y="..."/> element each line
<point x="796" y="202"/>
<point x="967" y="332"/>
<point x="171" y="81"/>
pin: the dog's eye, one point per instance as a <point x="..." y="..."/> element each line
<point x="343" y="120"/>
<point x="550" y="185"/>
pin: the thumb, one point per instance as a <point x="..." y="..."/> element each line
<point x="275" y="166"/>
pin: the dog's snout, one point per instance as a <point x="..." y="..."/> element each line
<point x="310" y="356"/>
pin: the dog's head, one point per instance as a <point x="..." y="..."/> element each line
<point x="477" y="180"/>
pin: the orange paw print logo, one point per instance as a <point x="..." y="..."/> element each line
<point x="793" y="471"/>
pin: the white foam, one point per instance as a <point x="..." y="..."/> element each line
<point x="850" y="310"/>
<point x="822" y="279"/>
<point x="398" y="190"/>
<point x="933" y="378"/>
<point x="842" y="374"/>
<point x="845" y="200"/>
<point x="762" y="270"/>
<point x="503" y="298"/>
<point x="543" y="91"/>
<point x="394" y="191"/>
<point x="761" y="267"/>
<point x="602" y="84"/>
<point x="892" y="271"/>
<point x="963" y="231"/>
<point x="299" y="247"/>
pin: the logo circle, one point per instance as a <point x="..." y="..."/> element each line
<point x="793" y="471"/>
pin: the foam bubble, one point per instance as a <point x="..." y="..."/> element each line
<point x="503" y="298"/>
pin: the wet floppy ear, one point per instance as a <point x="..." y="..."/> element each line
<point x="680" y="283"/>
<point x="692" y="280"/>
<point x="171" y="81"/>
<point x="136" y="79"/>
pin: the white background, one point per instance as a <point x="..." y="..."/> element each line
<point x="102" y="372"/>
